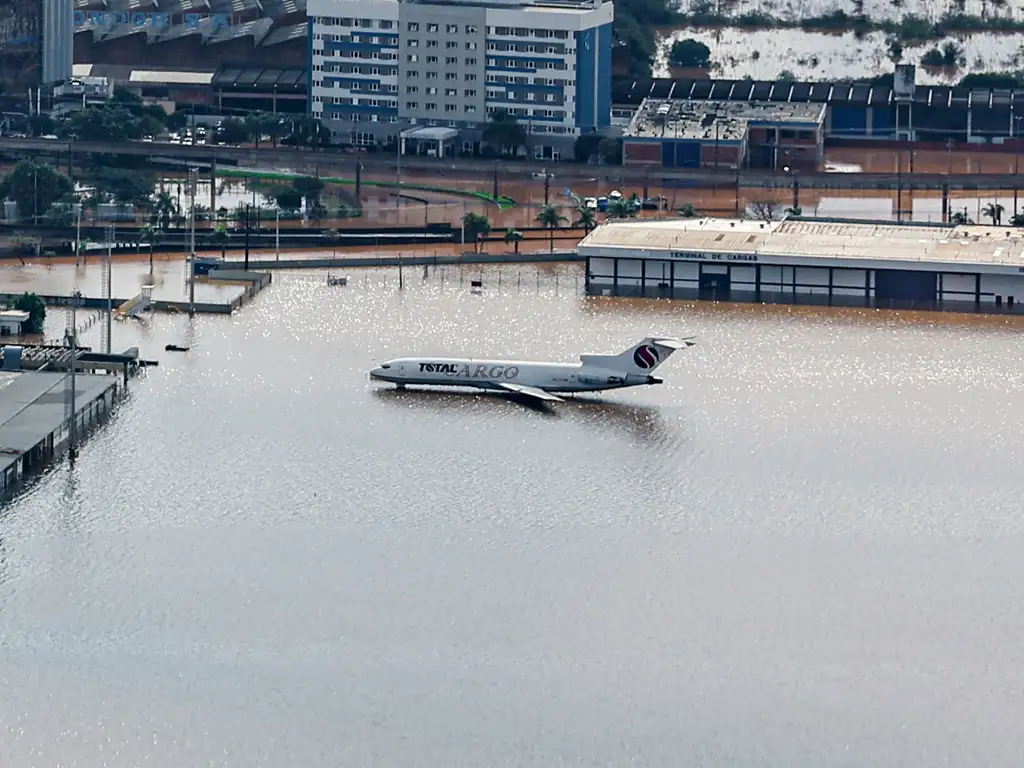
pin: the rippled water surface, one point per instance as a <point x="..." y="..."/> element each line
<point x="802" y="549"/>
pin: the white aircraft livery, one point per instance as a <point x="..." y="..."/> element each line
<point x="534" y="380"/>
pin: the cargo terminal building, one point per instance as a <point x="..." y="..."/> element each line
<point x="830" y="262"/>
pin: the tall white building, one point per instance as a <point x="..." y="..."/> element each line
<point x="435" y="72"/>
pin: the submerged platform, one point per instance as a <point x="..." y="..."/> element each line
<point x="797" y="260"/>
<point x="33" y="428"/>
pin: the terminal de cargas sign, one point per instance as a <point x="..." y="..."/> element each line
<point x="155" y="20"/>
<point x="706" y="256"/>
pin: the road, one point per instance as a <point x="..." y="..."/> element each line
<point x="306" y="160"/>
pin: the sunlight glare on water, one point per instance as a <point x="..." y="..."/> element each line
<point x="801" y="549"/>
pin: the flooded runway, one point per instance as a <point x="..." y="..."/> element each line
<point x="802" y="549"/>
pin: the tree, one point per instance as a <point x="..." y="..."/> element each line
<point x="474" y="225"/>
<point x="794" y="210"/>
<point x="764" y="209"/>
<point x="287" y="198"/>
<point x="42" y="125"/>
<point x="622" y="209"/>
<point x="584" y="217"/>
<point x="687" y="211"/>
<point x="220" y="238"/>
<point x="232" y="131"/>
<point x="35" y="187"/>
<point x="994" y="211"/>
<point x="610" y="151"/>
<point x="513" y="236"/>
<point x="504" y="132"/>
<point x="36" y="308"/>
<point x="637" y="41"/>
<point x="104" y="124"/>
<point x="960" y="218"/>
<point x="690" y="53"/>
<point x="149" y="235"/>
<point x="1017" y="220"/>
<point x="126" y="187"/>
<point x="550" y="217"/>
<point x="165" y="207"/>
<point x="310" y="187"/>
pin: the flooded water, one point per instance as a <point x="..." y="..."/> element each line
<point x="802" y="549"/>
<point x="763" y="53"/>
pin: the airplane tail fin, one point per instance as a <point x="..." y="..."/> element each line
<point x="642" y="357"/>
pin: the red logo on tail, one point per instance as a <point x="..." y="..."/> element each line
<point x="645" y="357"/>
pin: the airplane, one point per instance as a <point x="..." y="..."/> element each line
<point x="537" y="381"/>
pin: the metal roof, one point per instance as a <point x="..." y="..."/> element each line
<point x="839" y="93"/>
<point x="940" y="244"/>
<point x="32" y="406"/>
<point x="260" y="78"/>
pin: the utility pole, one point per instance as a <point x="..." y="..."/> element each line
<point x="107" y="271"/>
<point x="78" y="234"/>
<point x="547" y="185"/>
<point x="70" y="415"/>
<point x="246" y="237"/>
<point x="494" y="192"/>
<point x="277" y="233"/>
<point x="191" y="261"/>
<point x="398" y="177"/>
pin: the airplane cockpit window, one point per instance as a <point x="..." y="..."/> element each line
<point x="385" y="366"/>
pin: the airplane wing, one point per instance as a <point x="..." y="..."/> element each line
<point x="537" y="394"/>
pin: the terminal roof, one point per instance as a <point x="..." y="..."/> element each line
<point x="819" y="238"/>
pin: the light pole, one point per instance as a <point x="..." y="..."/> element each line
<point x="277" y="233"/>
<point x="1016" y="158"/>
<point x="78" y="233"/>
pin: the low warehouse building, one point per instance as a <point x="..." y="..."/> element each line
<point x="671" y="133"/>
<point x="833" y="262"/>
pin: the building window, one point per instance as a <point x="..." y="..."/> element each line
<point x="431" y="59"/>
<point x="412" y="58"/>
<point x="470" y="46"/>
<point x="451" y="61"/>
<point x="470" y="29"/>
<point x="413" y="27"/>
<point x="470" y="93"/>
<point x="432" y="28"/>
<point x="431" y="43"/>
<point x="412" y="89"/>
<point x="452" y="29"/>
<point x="470" y="62"/>
<point x="451" y="76"/>
<point x="431" y="91"/>
<point x="450" y="108"/>
<point x="451" y="44"/>
<point x="451" y="92"/>
<point x="431" y="107"/>
<point x="414" y="43"/>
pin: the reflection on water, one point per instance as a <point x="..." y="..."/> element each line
<point x="809" y="535"/>
<point x="643" y="423"/>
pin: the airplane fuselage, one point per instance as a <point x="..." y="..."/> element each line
<point x="496" y="374"/>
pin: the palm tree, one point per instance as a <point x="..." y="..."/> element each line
<point x="164" y="208"/>
<point x="994" y="211"/>
<point x="220" y="236"/>
<point x="550" y="217"/>
<point x="585" y="218"/>
<point x="148" y="234"/>
<point x="960" y="218"/>
<point x="513" y="236"/>
<point x="1017" y="220"/>
<point x="621" y="209"/>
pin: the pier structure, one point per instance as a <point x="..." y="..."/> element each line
<point x="817" y="261"/>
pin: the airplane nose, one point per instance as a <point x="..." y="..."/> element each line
<point x="655" y="380"/>
<point x="375" y="373"/>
